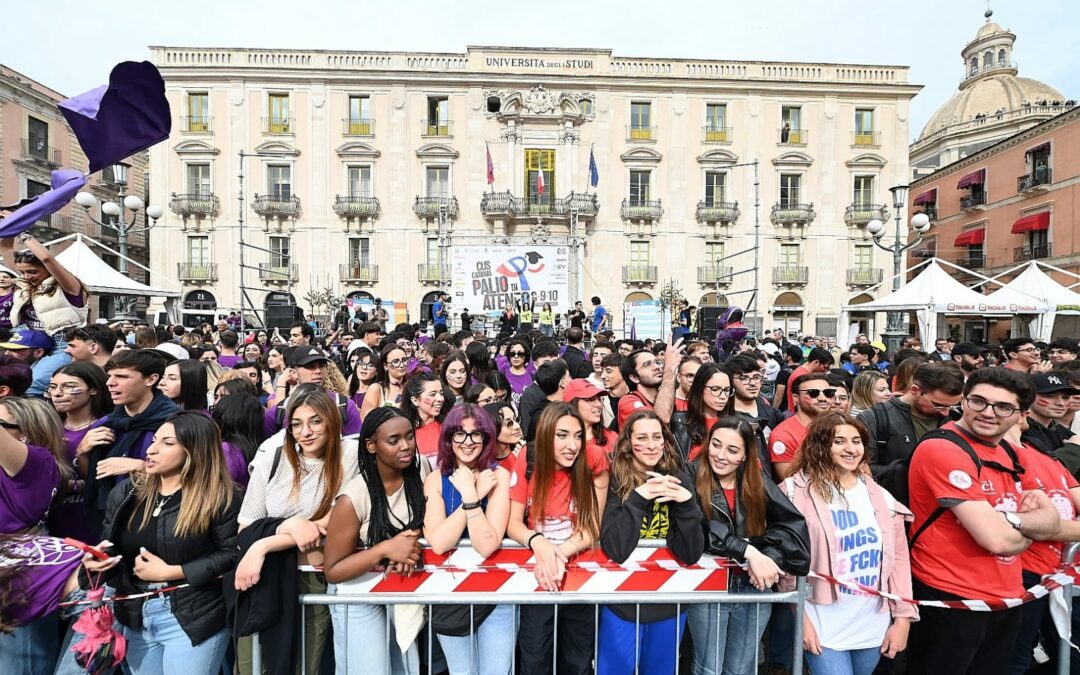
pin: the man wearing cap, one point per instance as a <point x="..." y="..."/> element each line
<point x="31" y="346"/>
<point x="970" y="356"/>
<point x="1044" y="433"/>
<point x="308" y="364"/>
<point x="91" y="344"/>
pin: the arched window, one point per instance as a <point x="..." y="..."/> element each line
<point x="1001" y="57"/>
<point x="974" y="65"/>
<point x="988" y="60"/>
<point x="586" y="106"/>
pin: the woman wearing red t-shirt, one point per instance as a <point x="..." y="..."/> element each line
<point x="423" y="402"/>
<point x="557" y="495"/>
<point x="588" y="400"/>
<point x="508" y="433"/>
<point x="709" y="399"/>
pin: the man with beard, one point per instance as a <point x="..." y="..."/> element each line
<point x="746" y="378"/>
<point x="651" y="380"/>
<point x="813" y="396"/>
<point x="970" y="356"/>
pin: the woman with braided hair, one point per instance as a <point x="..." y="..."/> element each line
<point x="376" y="522"/>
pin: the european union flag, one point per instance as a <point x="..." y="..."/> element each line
<point x="594" y="175"/>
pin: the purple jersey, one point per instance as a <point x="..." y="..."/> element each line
<point x="25" y="498"/>
<point x="46" y="564"/>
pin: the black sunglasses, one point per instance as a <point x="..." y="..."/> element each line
<point x="814" y="393"/>
<point x="9" y="425"/>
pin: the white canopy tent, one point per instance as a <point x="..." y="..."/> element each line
<point x="933" y="293"/>
<point x="98" y="276"/>
<point x="1036" y="300"/>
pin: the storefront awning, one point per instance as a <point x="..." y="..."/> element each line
<point x="1032" y="223"/>
<point x="971" y="238"/>
<point x="928" y="197"/>
<point x="973" y="178"/>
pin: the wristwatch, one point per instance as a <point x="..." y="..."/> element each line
<point x="1013" y="520"/>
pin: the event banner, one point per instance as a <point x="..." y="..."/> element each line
<point x="484" y="279"/>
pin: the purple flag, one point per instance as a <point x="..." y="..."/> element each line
<point x="65" y="183"/>
<point x="121" y="118"/>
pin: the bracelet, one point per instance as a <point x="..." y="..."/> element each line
<point x="528" y="542"/>
<point x="470" y="506"/>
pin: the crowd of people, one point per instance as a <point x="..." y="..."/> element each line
<point x="199" y="470"/>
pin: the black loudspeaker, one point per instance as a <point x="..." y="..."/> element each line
<point x="280" y="316"/>
<point x="706" y="322"/>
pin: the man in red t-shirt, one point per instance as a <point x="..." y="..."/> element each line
<point x="652" y="382"/>
<point x="814" y="396"/>
<point x="818" y="362"/>
<point x="970" y="549"/>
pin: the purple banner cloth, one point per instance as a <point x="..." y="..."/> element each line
<point x="124" y="117"/>
<point x="65" y="183"/>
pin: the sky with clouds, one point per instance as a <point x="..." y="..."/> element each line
<point x="75" y="44"/>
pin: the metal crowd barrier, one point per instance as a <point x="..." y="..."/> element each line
<point x="795" y="598"/>
<point x="1068" y="557"/>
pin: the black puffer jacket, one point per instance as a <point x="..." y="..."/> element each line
<point x="199" y="609"/>
<point x="786" y="540"/>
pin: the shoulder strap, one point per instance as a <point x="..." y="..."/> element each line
<point x="277" y="460"/>
<point x="530" y="461"/>
<point x="960" y="442"/>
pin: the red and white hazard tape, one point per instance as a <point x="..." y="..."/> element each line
<point x="133" y="596"/>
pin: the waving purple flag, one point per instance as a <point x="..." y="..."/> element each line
<point x="65" y="183"/>
<point x="125" y="116"/>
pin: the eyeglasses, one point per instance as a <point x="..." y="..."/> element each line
<point x="816" y="393"/>
<point x="397" y="363"/>
<point x="749" y="379"/>
<point x="1029" y="349"/>
<point x="718" y="390"/>
<point x="519" y="355"/>
<point x="1000" y="409"/>
<point x="939" y="407"/>
<point x="1058" y="352"/>
<point x="472" y="437"/>
<point x="69" y="388"/>
<point x="9" y="425"/>
<point x="365" y="364"/>
<point x="486" y="400"/>
<point x="315" y="424"/>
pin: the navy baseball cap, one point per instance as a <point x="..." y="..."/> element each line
<point x="29" y="339"/>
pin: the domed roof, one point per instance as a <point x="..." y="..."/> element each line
<point x="989" y="28"/>
<point x="987" y="95"/>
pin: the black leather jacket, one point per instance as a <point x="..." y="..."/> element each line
<point x="892" y="440"/>
<point x="199" y="609"/>
<point x="786" y="539"/>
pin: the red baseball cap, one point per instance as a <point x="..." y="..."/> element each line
<point x="581" y="388"/>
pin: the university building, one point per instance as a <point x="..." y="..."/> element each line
<point x="742" y="182"/>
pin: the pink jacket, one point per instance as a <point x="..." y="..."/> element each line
<point x="891" y="516"/>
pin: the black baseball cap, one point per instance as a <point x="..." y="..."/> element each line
<point x="1048" y="383"/>
<point x="302" y="356"/>
<point x="968" y="349"/>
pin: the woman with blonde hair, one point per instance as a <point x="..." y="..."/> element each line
<point x="869" y="387"/>
<point x="33" y="462"/>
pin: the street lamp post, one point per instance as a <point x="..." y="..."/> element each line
<point x="124" y="227"/>
<point x="920" y="223"/>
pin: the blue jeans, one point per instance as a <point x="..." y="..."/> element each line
<point x="726" y="636"/>
<point x="30" y="649"/>
<point x="646" y="648"/>
<point x="851" y="662"/>
<point x="45" y="367"/>
<point x="365" y="641"/>
<point x="162" y="646"/>
<point x="489" y="650"/>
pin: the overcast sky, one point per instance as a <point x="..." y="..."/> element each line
<point x="71" y="46"/>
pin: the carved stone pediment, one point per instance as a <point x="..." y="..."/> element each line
<point x="541" y="104"/>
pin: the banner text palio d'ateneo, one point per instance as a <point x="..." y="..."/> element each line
<point x="485" y="279"/>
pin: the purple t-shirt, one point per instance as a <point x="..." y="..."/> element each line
<point x="28" y="315"/>
<point x="69" y="518"/>
<point x="518" y="383"/>
<point x="25" y="498"/>
<point x="46" y="565"/>
<point x="227" y="362"/>
<point x="350" y="425"/>
<point x="6" y="301"/>
<point x="237" y="465"/>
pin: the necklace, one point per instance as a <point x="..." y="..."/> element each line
<point x="80" y="427"/>
<point x="162" y="502"/>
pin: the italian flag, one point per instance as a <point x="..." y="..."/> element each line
<point x="540" y="182"/>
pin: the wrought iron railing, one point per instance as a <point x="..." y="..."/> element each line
<point x="635" y="132"/>
<point x="278" y="125"/>
<point x="722" y="212"/>
<point x="278" y="273"/>
<point x="358" y="272"/>
<point x="972" y="261"/>
<point x="866" y="139"/>
<point x="504" y="203"/>
<point x="861" y="214"/>
<point x="195" y="204"/>
<point x="356" y="206"/>
<point x="430" y="207"/>
<point x="1025" y="253"/>
<point x="790" y="274"/>
<point x="641" y="209"/>
<point x="196" y="123"/>
<point x="793" y="136"/>
<point x="274" y="206"/>
<point x="712" y="274"/>
<point x="717" y="134"/>
<point x="188" y="271"/>
<point x="973" y="201"/>
<point x="1034" y="179"/>
<point x="432" y="273"/>
<point x="861" y="276"/>
<point x="37" y="149"/>
<point x="358" y="126"/>
<point x="639" y="274"/>
<point x="438" y="128"/>
<point x="791" y="212"/>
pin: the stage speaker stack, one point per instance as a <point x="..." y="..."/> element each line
<point x="706" y="322"/>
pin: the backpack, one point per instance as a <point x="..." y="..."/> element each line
<point x="279" y="419"/>
<point x="961" y="442"/>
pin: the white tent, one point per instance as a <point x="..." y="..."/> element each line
<point x="933" y="292"/>
<point x="99" y="277"/>
<point x="1034" y="292"/>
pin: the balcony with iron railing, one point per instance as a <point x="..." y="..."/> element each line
<point x="196" y="124"/>
<point x="864" y="276"/>
<point x="717" y="134"/>
<point x="636" y="132"/>
<point x="1036" y="179"/>
<point x="199" y="204"/>
<point x="278" y="125"/>
<point x="866" y="139"/>
<point x="359" y="273"/>
<point x="357" y="126"/>
<point x="429" y="208"/>
<point x="973" y="201"/>
<point x="188" y="271"/>
<point x="861" y="214"/>
<point x="796" y="275"/>
<point x="1026" y="253"/>
<point x="37" y="150"/>
<point x="794" y="136"/>
<point x="432" y="273"/>
<point x="972" y="261"/>
<point x="280" y="274"/>
<point x="438" y="128"/>
<point x="990" y="67"/>
<point x="277" y="206"/>
<point x="356" y="206"/>
<point x="791" y="213"/>
<point x="717" y="212"/>
<point x="643" y="275"/>
<point x="711" y="275"/>
<point x="641" y="209"/>
<point x="506" y="205"/>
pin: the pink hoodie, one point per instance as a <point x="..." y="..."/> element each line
<point x="895" y="563"/>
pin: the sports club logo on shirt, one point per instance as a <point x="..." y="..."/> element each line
<point x="518" y="265"/>
<point x="959" y="479"/>
<point x="779" y="449"/>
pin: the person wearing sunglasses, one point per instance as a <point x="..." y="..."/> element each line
<point x="898" y="424"/>
<point x="974" y="515"/>
<point x="813" y="396"/>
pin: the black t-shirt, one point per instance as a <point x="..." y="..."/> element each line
<point x="781" y="381"/>
<point x="130" y="539"/>
<point x="576" y="317"/>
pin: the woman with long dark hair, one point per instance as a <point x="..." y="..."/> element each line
<point x="455" y="372"/>
<point x="424" y="403"/>
<point x="376" y="520"/>
<point x="650" y="497"/>
<point x="479" y="361"/>
<point x="850" y="517"/>
<point x="389" y="382"/>
<point x="240" y="419"/>
<point x="364" y="370"/>
<point x="184" y="383"/>
<point x="557" y="495"/>
<point x="753" y="523"/>
<point x="500" y="385"/>
<point x="588" y="400"/>
<point x="173" y="523"/>
<point x="508" y="433"/>
<point x="275" y="363"/>
<point x="710" y="398"/>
